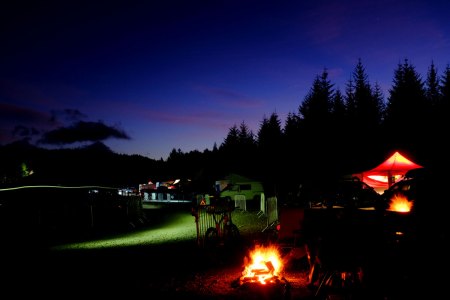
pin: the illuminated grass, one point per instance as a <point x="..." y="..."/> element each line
<point x="176" y="230"/>
<point x="56" y="186"/>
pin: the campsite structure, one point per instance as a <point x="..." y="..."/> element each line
<point x="388" y="172"/>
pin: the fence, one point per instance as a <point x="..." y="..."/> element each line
<point x="240" y="202"/>
<point x="271" y="211"/>
<point x="66" y="210"/>
<point x="210" y="216"/>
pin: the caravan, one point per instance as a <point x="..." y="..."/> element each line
<point x="239" y="188"/>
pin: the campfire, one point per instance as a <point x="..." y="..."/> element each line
<point x="398" y="217"/>
<point x="400" y="203"/>
<point x="264" y="265"/>
<point x="262" y="273"/>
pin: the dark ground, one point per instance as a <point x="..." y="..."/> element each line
<point x="179" y="269"/>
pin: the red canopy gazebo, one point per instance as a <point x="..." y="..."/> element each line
<point x="388" y="172"/>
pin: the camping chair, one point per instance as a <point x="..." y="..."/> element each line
<point x="336" y="266"/>
<point x="291" y="239"/>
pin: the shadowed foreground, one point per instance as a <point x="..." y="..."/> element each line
<point x="180" y="269"/>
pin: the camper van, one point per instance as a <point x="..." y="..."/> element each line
<point x="249" y="191"/>
<point x="244" y="191"/>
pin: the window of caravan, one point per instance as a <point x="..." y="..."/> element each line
<point x="246" y="187"/>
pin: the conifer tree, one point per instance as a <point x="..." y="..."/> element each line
<point x="315" y="115"/>
<point x="270" y="132"/>
<point x="291" y="129"/>
<point x="340" y="133"/>
<point x="293" y="140"/>
<point x="378" y="97"/>
<point x="406" y="108"/>
<point x="444" y="103"/>
<point x="432" y="83"/>
<point x="232" y="138"/>
<point x="367" y="107"/>
<point x="316" y="107"/>
<point x="245" y="135"/>
<point x="271" y="149"/>
<point x="441" y="111"/>
<point x="229" y="150"/>
<point x="350" y="103"/>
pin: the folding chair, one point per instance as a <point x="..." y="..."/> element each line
<point x="290" y="237"/>
<point x="336" y="266"/>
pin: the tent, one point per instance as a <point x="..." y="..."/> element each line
<point x="388" y="172"/>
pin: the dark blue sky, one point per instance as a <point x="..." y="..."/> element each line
<point x="149" y="76"/>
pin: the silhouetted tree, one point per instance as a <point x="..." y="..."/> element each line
<point x="270" y="148"/>
<point x="364" y="111"/>
<point x="432" y="84"/>
<point x="377" y="147"/>
<point x="270" y="134"/>
<point x="444" y="101"/>
<point x="247" y="151"/>
<point x="445" y="87"/>
<point x="294" y="145"/>
<point x="324" y="137"/>
<point x="378" y="96"/>
<point x="430" y="118"/>
<point x="175" y="155"/>
<point x="369" y="108"/>
<point x="292" y="131"/>
<point x="315" y="113"/>
<point x="237" y="150"/>
<point x="338" y="108"/>
<point x="406" y="110"/>
<point x="340" y="133"/>
<point x="232" y="138"/>
<point x="316" y="107"/>
<point x="246" y="137"/>
<point x="439" y="121"/>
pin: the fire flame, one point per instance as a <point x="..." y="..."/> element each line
<point x="400" y="203"/>
<point x="264" y="266"/>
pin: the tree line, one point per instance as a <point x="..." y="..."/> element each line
<point x="333" y="133"/>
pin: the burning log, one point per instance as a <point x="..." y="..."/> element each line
<point x="256" y="278"/>
<point x="260" y="272"/>
<point x="261" y="277"/>
<point x="270" y="266"/>
<point x="271" y="288"/>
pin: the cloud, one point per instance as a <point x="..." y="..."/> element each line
<point x="68" y="115"/>
<point x="59" y="127"/>
<point x="17" y="114"/>
<point x="82" y="132"/>
<point x="23" y="131"/>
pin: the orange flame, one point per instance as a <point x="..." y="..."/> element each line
<point x="400" y="203"/>
<point x="264" y="266"/>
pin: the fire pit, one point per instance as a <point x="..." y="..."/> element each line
<point x="398" y="217"/>
<point x="400" y="203"/>
<point x="262" y="276"/>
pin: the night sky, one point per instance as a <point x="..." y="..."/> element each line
<point x="145" y="77"/>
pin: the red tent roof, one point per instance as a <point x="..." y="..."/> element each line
<point x="397" y="164"/>
<point x="388" y="172"/>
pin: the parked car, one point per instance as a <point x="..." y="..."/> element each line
<point x="352" y="193"/>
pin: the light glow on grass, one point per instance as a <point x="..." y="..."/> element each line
<point x="56" y="186"/>
<point x="168" y="232"/>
